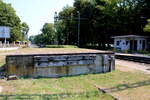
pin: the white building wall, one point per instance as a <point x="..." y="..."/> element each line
<point x="122" y="44"/>
<point x="140" y="44"/>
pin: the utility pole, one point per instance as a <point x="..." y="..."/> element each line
<point x="5" y="37"/>
<point x="78" y="28"/>
<point x="56" y="18"/>
<point x="55" y="21"/>
<point x="5" y="30"/>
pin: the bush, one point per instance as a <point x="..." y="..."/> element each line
<point x="61" y="46"/>
<point x="143" y="52"/>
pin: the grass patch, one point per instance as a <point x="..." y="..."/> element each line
<point x="94" y="95"/>
<point x="82" y="87"/>
<point x="61" y="46"/>
<point x="2" y="60"/>
<point x="128" y="84"/>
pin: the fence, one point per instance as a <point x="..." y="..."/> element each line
<point x="15" y="44"/>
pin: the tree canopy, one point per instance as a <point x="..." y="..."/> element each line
<point x="101" y="19"/>
<point x="47" y="36"/>
<point x="147" y="26"/>
<point x="9" y="18"/>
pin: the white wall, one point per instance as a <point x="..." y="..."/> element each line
<point x="123" y="46"/>
<point x="140" y="44"/>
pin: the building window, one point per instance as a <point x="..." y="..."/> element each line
<point x="118" y="42"/>
<point x="127" y="42"/>
<point x="140" y="41"/>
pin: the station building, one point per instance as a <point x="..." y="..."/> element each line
<point x="130" y="42"/>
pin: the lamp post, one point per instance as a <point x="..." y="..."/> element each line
<point x="5" y="36"/>
<point x="5" y="29"/>
<point x="78" y="28"/>
<point x="56" y="18"/>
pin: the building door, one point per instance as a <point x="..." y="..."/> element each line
<point x="133" y="45"/>
<point x="143" y="44"/>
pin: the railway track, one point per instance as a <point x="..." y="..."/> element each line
<point x="134" y="58"/>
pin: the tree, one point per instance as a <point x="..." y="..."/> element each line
<point x="100" y="19"/>
<point x="60" y="32"/>
<point x="25" y="30"/>
<point x="16" y="34"/>
<point x="147" y="27"/>
<point x="47" y="37"/>
<point x="9" y="18"/>
<point x="48" y="33"/>
<point x="31" y="38"/>
<point x="67" y="25"/>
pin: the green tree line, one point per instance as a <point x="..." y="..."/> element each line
<point x="100" y="19"/>
<point x="8" y="17"/>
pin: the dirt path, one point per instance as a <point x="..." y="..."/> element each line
<point x="1" y="89"/>
<point x="133" y="65"/>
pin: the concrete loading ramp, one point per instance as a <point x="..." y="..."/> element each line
<point x="60" y="64"/>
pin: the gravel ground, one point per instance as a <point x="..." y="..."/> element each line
<point x="133" y="65"/>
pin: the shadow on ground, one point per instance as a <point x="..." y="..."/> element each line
<point x="122" y="87"/>
<point x="2" y="71"/>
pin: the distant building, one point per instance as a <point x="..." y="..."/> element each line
<point x="130" y="42"/>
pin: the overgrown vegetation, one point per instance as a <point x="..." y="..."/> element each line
<point x="83" y="86"/>
<point x="61" y="46"/>
<point x="126" y="84"/>
<point x="147" y="27"/>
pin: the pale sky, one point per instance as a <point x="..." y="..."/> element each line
<point x="37" y="12"/>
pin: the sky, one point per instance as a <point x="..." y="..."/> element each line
<point x="37" y="12"/>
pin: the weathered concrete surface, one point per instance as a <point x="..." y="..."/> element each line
<point x="56" y="65"/>
<point x="20" y="65"/>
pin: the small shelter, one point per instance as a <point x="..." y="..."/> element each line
<point x="130" y="42"/>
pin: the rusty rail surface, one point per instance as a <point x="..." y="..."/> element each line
<point x="134" y="58"/>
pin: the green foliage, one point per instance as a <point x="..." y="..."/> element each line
<point x="101" y="19"/>
<point x="16" y="34"/>
<point x="65" y="27"/>
<point x="61" y="46"/>
<point x="25" y="30"/>
<point x="48" y="33"/>
<point x="60" y="27"/>
<point x="31" y="38"/>
<point x="147" y="27"/>
<point x="39" y="39"/>
<point x="47" y="36"/>
<point x="82" y="87"/>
